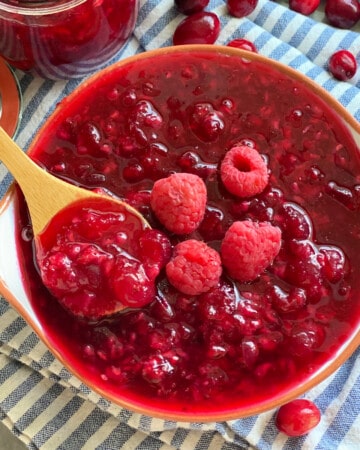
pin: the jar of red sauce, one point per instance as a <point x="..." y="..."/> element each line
<point x="64" y="38"/>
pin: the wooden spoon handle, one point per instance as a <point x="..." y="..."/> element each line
<point x="45" y="194"/>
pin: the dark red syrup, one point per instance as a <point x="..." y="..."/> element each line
<point x="239" y="344"/>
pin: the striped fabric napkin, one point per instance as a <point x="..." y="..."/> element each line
<point x="48" y="408"/>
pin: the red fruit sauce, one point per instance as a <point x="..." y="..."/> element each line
<point x="66" y="38"/>
<point x="240" y="343"/>
<point x="97" y="257"/>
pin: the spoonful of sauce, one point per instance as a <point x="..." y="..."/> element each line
<point x="96" y="254"/>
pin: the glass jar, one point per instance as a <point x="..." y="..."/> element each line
<point x="64" y="38"/>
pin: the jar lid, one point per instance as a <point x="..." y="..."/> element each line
<point x="10" y="99"/>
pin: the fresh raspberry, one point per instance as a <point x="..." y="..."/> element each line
<point x="244" y="172"/>
<point x="248" y="248"/>
<point x="179" y="202"/>
<point x="194" y="268"/>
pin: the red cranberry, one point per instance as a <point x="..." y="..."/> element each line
<point x="199" y="28"/>
<point x="88" y="139"/>
<point x="156" y="368"/>
<point x="295" y="221"/>
<point x="131" y="285"/>
<point x="342" y="13"/>
<point x="241" y="8"/>
<point x="332" y="260"/>
<point x="154" y="251"/>
<point x="306" y="337"/>
<point x="298" y="417"/>
<point x="191" y="6"/>
<point x="133" y="173"/>
<point x="206" y="122"/>
<point x="243" y="44"/>
<point x="342" y="65"/>
<point x="305" y="7"/>
<point x="286" y="302"/>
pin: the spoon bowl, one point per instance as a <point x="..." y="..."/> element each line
<point x="54" y="205"/>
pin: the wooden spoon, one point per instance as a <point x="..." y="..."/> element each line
<point x="45" y="194"/>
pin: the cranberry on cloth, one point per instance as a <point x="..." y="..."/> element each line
<point x="48" y="408"/>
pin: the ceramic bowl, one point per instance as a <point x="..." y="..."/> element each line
<point x="19" y="285"/>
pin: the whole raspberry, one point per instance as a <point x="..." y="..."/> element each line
<point x="194" y="268"/>
<point x="244" y="172"/>
<point x="179" y="201"/>
<point x="248" y="248"/>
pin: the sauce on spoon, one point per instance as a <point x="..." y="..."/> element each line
<point x="83" y="238"/>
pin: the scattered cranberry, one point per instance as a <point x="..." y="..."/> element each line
<point x="342" y="65"/>
<point x="297" y="417"/>
<point x="248" y="248"/>
<point x="305" y="7"/>
<point x="342" y="13"/>
<point x="179" y="202"/>
<point x="241" y="8"/>
<point x="189" y="7"/>
<point x="199" y="28"/>
<point x="195" y="267"/>
<point x="244" y="172"/>
<point x="243" y="44"/>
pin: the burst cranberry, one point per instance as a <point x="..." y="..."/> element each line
<point x="206" y="122"/>
<point x="189" y="7"/>
<point x="305" y="7"/>
<point x="131" y="284"/>
<point x="332" y="260"/>
<point x="342" y="13"/>
<point x="297" y="417"/>
<point x="342" y="65"/>
<point x="156" y="368"/>
<point x="241" y="8"/>
<point x="295" y="222"/>
<point x="287" y="301"/>
<point x="199" y="28"/>
<point x="243" y="44"/>
<point x="88" y="139"/>
<point x="305" y="337"/>
<point x="154" y="250"/>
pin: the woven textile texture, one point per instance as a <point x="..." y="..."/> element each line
<point x="48" y="408"/>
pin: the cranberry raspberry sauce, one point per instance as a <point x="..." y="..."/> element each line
<point x="240" y="343"/>
<point x="97" y="258"/>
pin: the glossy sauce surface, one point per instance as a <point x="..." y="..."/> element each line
<point x="240" y="343"/>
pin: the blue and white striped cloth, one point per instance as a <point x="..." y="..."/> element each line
<point x="48" y="408"/>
